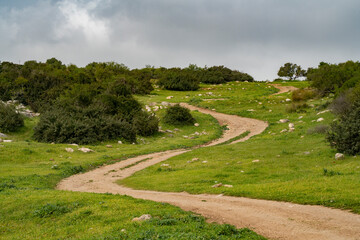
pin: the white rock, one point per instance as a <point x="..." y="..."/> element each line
<point x="325" y="111"/>
<point x="339" y="156"/>
<point x="288" y="100"/>
<point x="196" y="124"/>
<point x="251" y="110"/>
<point x="291" y="125"/>
<point x="204" y="161"/>
<point x="228" y="185"/>
<point x="70" y="150"/>
<point x="257" y="160"/>
<point x="165" y="165"/>
<point x="85" y="150"/>
<point x="7" y="141"/>
<point x="284" y="120"/>
<point x="320" y="119"/>
<point x="301" y="117"/>
<point x="142" y="218"/>
<point x="217" y="185"/>
<point x="109" y="146"/>
<point x="119" y="142"/>
<point x="270" y="110"/>
<point x="284" y="130"/>
<point x="291" y="129"/>
<point x="165" y="103"/>
<point x="74" y="144"/>
<point x="169" y="97"/>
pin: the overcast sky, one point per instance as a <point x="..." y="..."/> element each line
<point x="253" y="36"/>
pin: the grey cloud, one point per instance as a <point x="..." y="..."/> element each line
<point x="256" y="36"/>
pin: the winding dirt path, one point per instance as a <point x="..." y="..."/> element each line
<point x="283" y="89"/>
<point x="275" y="220"/>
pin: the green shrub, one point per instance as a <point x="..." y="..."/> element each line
<point x="145" y="124"/>
<point x="10" y="120"/>
<point x="344" y="134"/>
<point x="51" y="210"/>
<point x="179" y="81"/>
<point x="177" y="115"/>
<point x="297" y="107"/>
<point x="302" y="94"/>
<point x="319" y="129"/>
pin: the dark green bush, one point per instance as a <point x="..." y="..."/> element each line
<point x="145" y="124"/>
<point x="10" y="120"/>
<point x="177" y="115"/>
<point x="344" y="134"/>
<point x="179" y="80"/>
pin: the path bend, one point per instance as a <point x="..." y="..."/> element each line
<point x="272" y="219"/>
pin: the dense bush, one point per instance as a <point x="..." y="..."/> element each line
<point x="302" y="94"/>
<point x="330" y="78"/>
<point x="179" y="80"/>
<point x="88" y="113"/>
<point x="177" y="115"/>
<point x="344" y="134"/>
<point x="10" y="120"/>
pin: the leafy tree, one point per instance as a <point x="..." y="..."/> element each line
<point x="10" y="120"/>
<point x="291" y="71"/>
<point x="177" y="115"/>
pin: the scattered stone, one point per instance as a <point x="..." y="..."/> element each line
<point x="257" y="160"/>
<point x="119" y="142"/>
<point x="165" y="165"/>
<point x="291" y="129"/>
<point x="55" y="167"/>
<point x="325" y="111"/>
<point x="270" y="110"/>
<point x="169" y="131"/>
<point x="301" y="136"/>
<point x="165" y="103"/>
<point x="204" y="161"/>
<point x="228" y="185"/>
<point x="251" y="110"/>
<point x="85" y="150"/>
<point x="70" y="150"/>
<point x="306" y="153"/>
<point x="176" y="129"/>
<point x="74" y="144"/>
<point x="196" y="124"/>
<point x="242" y="171"/>
<point x="284" y="130"/>
<point x="51" y="159"/>
<point x="7" y="141"/>
<point x="320" y="119"/>
<point x="288" y="100"/>
<point x="196" y="133"/>
<point x="284" y="120"/>
<point x="339" y="156"/>
<point x="123" y="230"/>
<point x="109" y="146"/>
<point x="169" y="97"/>
<point x="301" y="117"/>
<point x="142" y="218"/>
<point x="217" y="185"/>
<point x="291" y="125"/>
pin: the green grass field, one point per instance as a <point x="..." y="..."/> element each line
<point x="294" y="166"/>
<point x="30" y="208"/>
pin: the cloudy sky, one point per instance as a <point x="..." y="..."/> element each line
<point x="254" y="36"/>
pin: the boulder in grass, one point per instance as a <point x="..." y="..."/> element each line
<point x="142" y="218"/>
<point x="339" y="156"/>
<point x="85" y="150"/>
<point x="217" y="185"/>
<point x="284" y="120"/>
<point x="69" y="150"/>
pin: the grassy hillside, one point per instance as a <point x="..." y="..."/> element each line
<point x="30" y="208"/>
<point x="296" y="166"/>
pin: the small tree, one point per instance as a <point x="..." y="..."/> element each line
<point x="291" y="71"/>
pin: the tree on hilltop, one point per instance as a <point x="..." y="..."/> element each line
<point x="291" y="71"/>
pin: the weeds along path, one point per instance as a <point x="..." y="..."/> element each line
<point x="275" y="220"/>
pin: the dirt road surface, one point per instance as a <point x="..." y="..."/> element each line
<point x="274" y="220"/>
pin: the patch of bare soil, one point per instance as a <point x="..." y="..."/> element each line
<point x="275" y="220"/>
<point x="283" y="89"/>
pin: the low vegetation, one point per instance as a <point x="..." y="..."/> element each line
<point x="10" y="120"/>
<point x="177" y="115"/>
